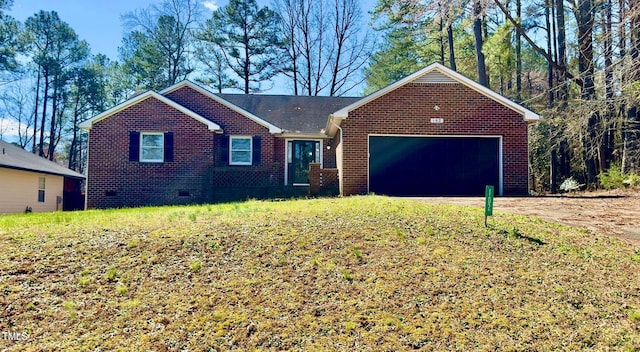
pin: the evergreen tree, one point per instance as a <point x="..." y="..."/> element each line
<point x="250" y="41"/>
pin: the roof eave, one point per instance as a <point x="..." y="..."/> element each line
<point x="528" y="116"/>
<point x="303" y="135"/>
<point x="87" y="125"/>
<point x="186" y="83"/>
<point x="55" y="173"/>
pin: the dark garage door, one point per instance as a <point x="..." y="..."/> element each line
<point x="433" y="166"/>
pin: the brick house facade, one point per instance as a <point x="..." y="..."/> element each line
<point x="465" y="113"/>
<point x="187" y="145"/>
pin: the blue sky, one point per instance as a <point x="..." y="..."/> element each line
<point x="98" y="21"/>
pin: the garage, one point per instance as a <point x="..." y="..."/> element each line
<point x="434" y="165"/>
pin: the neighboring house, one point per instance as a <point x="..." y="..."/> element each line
<point x="433" y="133"/>
<point x="29" y="182"/>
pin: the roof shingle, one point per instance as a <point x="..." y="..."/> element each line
<point x="296" y="114"/>
<point x="14" y="157"/>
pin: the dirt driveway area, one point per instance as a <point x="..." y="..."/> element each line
<point x="609" y="213"/>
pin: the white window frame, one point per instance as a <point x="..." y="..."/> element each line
<point x="143" y="160"/>
<point x="231" y="150"/>
<point x="42" y="187"/>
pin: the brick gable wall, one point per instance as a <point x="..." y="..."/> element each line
<point x="238" y="182"/>
<point x="408" y="111"/>
<point x="114" y="181"/>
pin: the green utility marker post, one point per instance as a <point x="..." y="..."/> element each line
<point x="488" y="203"/>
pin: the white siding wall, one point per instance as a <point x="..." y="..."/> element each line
<point x="19" y="190"/>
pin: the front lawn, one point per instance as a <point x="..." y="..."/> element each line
<point x="359" y="274"/>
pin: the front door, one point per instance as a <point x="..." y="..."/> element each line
<point x="301" y="153"/>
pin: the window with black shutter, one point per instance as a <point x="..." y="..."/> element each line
<point x="134" y="146"/>
<point x="257" y="150"/>
<point x="224" y="149"/>
<point x="152" y="147"/>
<point x="168" y="147"/>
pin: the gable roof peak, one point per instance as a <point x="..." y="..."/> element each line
<point x="437" y="73"/>
<point x="273" y="129"/>
<point x="87" y="125"/>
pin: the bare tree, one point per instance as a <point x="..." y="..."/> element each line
<point x="326" y="44"/>
<point x="162" y="35"/>
<point x="17" y="105"/>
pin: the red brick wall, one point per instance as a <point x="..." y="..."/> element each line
<point x="138" y="183"/>
<point x="198" y="166"/>
<point x="322" y="181"/>
<point x="235" y="181"/>
<point x="408" y="110"/>
<point x="328" y="155"/>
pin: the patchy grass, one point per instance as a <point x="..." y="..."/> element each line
<point x="360" y="273"/>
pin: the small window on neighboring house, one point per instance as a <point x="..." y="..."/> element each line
<point x="41" y="188"/>
<point x="240" y="150"/>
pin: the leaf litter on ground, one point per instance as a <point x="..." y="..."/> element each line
<point x="360" y="273"/>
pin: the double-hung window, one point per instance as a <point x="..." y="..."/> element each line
<point x="240" y="151"/>
<point x="41" y="188"/>
<point x="152" y="147"/>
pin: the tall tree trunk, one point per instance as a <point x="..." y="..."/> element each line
<point x="632" y="124"/>
<point x="35" y="113"/>
<point x="564" y="157"/>
<point x="73" y="147"/>
<point x="54" y="118"/>
<point x="519" y="53"/>
<point x="585" y="19"/>
<point x="45" y="101"/>
<point x="247" y="70"/>
<point x="550" y="33"/>
<point x="441" y="41"/>
<point x="452" y="55"/>
<point x="477" y="33"/>
<point x="563" y="91"/>
<point x="553" y="157"/>
<point x="606" y="156"/>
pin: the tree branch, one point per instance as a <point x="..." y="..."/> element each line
<point x="536" y="48"/>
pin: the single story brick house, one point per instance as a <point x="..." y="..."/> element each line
<point x="29" y="182"/>
<point x="432" y="133"/>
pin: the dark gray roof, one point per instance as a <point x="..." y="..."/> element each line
<point x="291" y="113"/>
<point x="14" y="157"/>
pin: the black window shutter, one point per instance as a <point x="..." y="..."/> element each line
<point x="134" y="146"/>
<point x="257" y="149"/>
<point x="168" y="147"/>
<point x="224" y="149"/>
